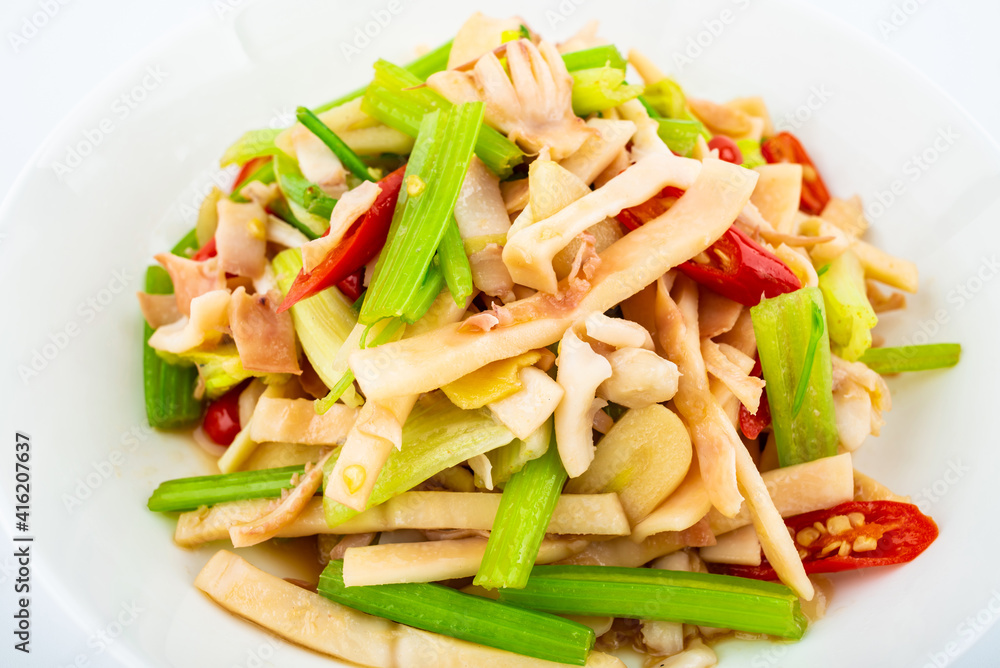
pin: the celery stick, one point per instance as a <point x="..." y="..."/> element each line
<point x="169" y="389"/>
<point x="600" y="88"/>
<point x="347" y="157"/>
<point x="667" y="98"/>
<point x="511" y="458"/>
<point x="680" y="136"/>
<point x="752" y="157"/>
<point x="849" y="314"/>
<point x="455" y="264"/>
<point x="804" y="426"/>
<point x="387" y="101"/>
<point x="294" y="187"/>
<point x="264" y="174"/>
<point x="252" y="144"/>
<point x="422" y="67"/>
<point x="425" y="295"/>
<point x="191" y="493"/>
<point x="521" y="521"/>
<point x="323" y="322"/>
<point x="220" y="368"/>
<point x="912" y="358"/>
<point x="477" y="619"/>
<point x="437" y="166"/>
<point x="703" y="599"/>
<point x="436" y="436"/>
<point x="598" y="56"/>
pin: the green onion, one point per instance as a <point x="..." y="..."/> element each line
<point x="679" y="136"/>
<point x="437" y="165"/>
<point x="264" y="174"/>
<point x="422" y="67"/>
<point x="347" y="157"/>
<point x="191" y="493"/>
<point x="752" y="157"/>
<point x="327" y="402"/>
<point x="521" y="521"/>
<point x="169" y="389"/>
<point x="455" y="264"/>
<point x="912" y="358"/>
<point x="598" y="56"/>
<point x="477" y="619"/>
<point x="437" y="435"/>
<point x="252" y="144"/>
<point x="322" y="323"/>
<point x="388" y="101"/>
<point x="600" y="88"/>
<point x="702" y="599"/>
<point x="300" y="201"/>
<point x="849" y="314"/>
<point x="318" y="202"/>
<point x="794" y="354"/>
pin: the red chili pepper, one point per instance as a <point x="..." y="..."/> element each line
<point x="898" y="532"/>
<point x="784" y="147"/>
<point x="728" y="150"/>
<point x="248" y="168"/>
<point x="352" y="286"/>
<point x="362" y="242"/>
<point x="205" y="252"/>
<point x="752" y="425"/>
<point x="634" y="217"/>
<point x="739" y="268"/>
<point x="222" y="419"/>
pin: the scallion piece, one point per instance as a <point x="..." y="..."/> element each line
<point x="598" y="56"/>
<point x="455" y="264"/>
<point x="703" y="599"/>
<point x="434" y="176"/>
<point x="521" y="521"/>
<point x="799" y="384"/>
<point x="294" y="186"/>
<point x="347" y="157"/>
<point x="190" y="493"/>
<point x="477" y="619"/>
<point x="600" y="88"/>
<point x="388" y="100"/>
<point x="912" y="358"/>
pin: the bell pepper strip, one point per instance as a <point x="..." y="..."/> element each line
<point x="784" y="147"/>
<point x="753" y="424"/>
<point x="361" y="243"/>
<point x="855" y="534"/>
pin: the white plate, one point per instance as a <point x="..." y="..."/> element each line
<point x="74" y="246"/>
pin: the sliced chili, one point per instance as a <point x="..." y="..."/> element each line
<point x="753" y="424"/>
<point x="728" y="150"/>
<point x="222" y="419"/>
<point x="248" y="169"/>
<point x="784" y="147"/>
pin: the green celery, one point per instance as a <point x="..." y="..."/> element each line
<point x="600" y="88"/>
<point x="322" y="323"/>
<point x="264" y="174"/>
<point x="186" y="247"/>
<point x="437" y="435"/>
<point x="422" y="67"/>
<point x="425" y="295"/>
<point x="438" y="164"/>
<point x="220" y="368"/>
<point x="912" y="358"/>
<point x="440" y="609"/>
<point x="849" y="314"/>
<point x="702" y="599"/>
<point x="752" y="157"/>
<point x="804" y="426"/>
<point x="455" y="264"/>
<point x="511" y="458"/>
<point x="667" y="98"/>
<point x="388" y="100"/>
<point x="680" y="136"/>
<point x="347" y="157"/>
<point x="295" y="187"/>
<point x="337" y="391"/>
<point x="521" y="521"/>
<point x="598" y="56"/>
<point x="190" y="493"/>
<point x="252" y="144"/>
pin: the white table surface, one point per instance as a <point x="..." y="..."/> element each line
<point x="43" y="78"/>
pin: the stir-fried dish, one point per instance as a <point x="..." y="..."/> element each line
<point x="537" y="362"/>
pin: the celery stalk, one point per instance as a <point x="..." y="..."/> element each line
<point x="425" y="295"/>
<point x="511" y="458"/>
<point x="220" y="368"/>
<point x="600" y="88"/>
<point x="477" y="619"/>
<point x="323" y="322"/>
<point x="347" y="157"/>
<point x="436" y="436"/>
<point x="387" y="100"/>
<point x="667" y="98"/>
<point x="302" y="201"/>
<point x="253" y="144"/>
<point x="455" y="264"/>
<point x="521" y="521"/>
<point x="190" y="493"/>
<point x="752" y="157"/>
<point x="598" y="56"/>
<point x="799" y="384"/>
<point x="680" y="136"/>
<point x="703" y="599"/>
<point x="912" y="358"/>
<point x="437" y="166"/>
<point x="849" y="314"/>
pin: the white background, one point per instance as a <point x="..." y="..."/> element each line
<point x="954" y="44"/>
